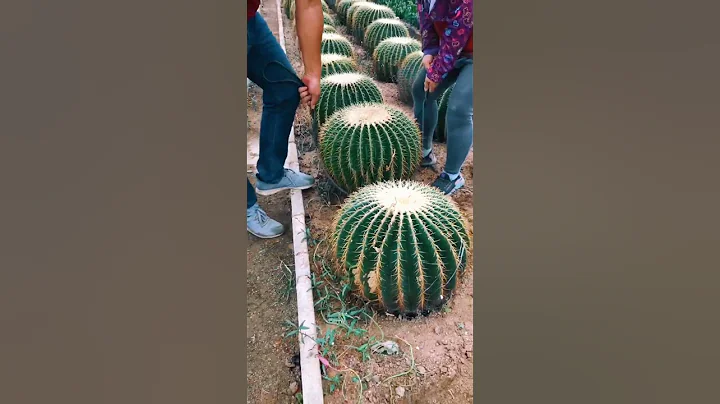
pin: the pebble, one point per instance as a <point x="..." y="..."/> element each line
<point x="289" y="364"/>
<point x="444" y="369"/>
<point x="437" y="330"/>
<point x="400" y="391"/>
<point x="421" y="370"/>
<point x="293" y="388"/>
<point x="376" y="379"/>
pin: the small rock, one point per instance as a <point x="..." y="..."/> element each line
<point x="376" y="379"/>
<point x="444" y="342"/>
<point x="469" y="355"/>
<point x="438" y="330"/>
<point x="400" y="391"/>
<point x="289" y="364"/>
<point x="293" y="388"/>
<point x="421" y="370"/>
<point x="444" y="369"/>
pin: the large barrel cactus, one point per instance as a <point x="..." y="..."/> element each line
<point x="407" y="74"/>
<point x="382" y="29"/>
<point x="403" y="245"/>
<point x="367" y="143"/>
<point x="440" y="134"/>
<point x="351" y="10"/>
<point x="333" y="63"/>
<point x="336" y="43"/>
<point x="327" y="19"/>
<point x="365" y="15"/>
<point x="389" y="54"/>
<point x="329" y="29"/>
<point x="342" y="8"/>
<point x="344" y="89"/>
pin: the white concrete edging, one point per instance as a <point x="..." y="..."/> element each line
<point x="309" y="364"/>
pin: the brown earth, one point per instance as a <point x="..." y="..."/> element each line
<point x="435" y="364"/>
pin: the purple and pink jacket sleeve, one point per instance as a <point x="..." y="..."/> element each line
<point x="458" y="14"/>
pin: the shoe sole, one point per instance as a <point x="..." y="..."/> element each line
<point x="265" y="237"/>
<point x="266" y="192"/>
<point x="456" y="189"/>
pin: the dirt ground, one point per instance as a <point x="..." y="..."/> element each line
<point x="435" y="362"/>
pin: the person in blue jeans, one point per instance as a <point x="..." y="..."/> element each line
<point x="281" y="97"/>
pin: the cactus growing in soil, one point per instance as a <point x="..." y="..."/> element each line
<point x="333" y="63"/>
<point x="389" y="54"/>
<point x="369" y="142"/>
<point x="342" y="90"/>
<point x="382" y="29"/>
<point x="440" y="134"/>
<point x="342" y="8"/>
<point x="329" y="28"/>
<point x="402" y="245"/>
<point x="350" y="11"/>
<point x="336" y="43"/>
<point x="364" y="15"/>
<point x="407" y="74"/>
<point x="328" y="20"/>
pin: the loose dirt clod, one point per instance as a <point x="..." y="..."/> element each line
<point x="293" y="388"/>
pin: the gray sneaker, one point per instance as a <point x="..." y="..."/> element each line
<point x="290" y="180"/>
<point x="429" y="160"/>
<point x="260" y="225"/>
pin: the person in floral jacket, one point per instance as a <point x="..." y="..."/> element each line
<point x="446" y="27"/>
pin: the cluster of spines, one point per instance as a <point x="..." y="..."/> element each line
<point x="402" y="244"/>
<point x="333" y="63"/>
<point x="407" y="74"/>
<point x="336" y="43"/>
<point x="341" y="90"/>
<point x="389" y="54"/>
<point x="342" y="8"/>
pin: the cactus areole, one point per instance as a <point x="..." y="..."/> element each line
<point x="367" y="143"/>
<point x="403" y="245"/>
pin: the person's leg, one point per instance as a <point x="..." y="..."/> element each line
<point x="251" y="197"/>
<point x="425" y="108"/>
<point x="280" y="102"/>
<point x="459" y="123"/>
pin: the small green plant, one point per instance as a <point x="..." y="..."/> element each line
<point x="407" y="74"/>
<point x="381" y="29"/>
<point x="341" y="90"/>
<point x="366" y="143"/>
<point x="293" y="329"/>
<point x="389" y="54"/>
<point x="404" y="244"/>
<point x="333" y="63"/>
<point x="336" y="43"/>
<point x="366" y="14"/>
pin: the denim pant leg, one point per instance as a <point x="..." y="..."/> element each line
<point x="425" y="107"/>
<point x="251" y="197"/>
<point x="459" y="121"/>
<point x="280" y="100"/>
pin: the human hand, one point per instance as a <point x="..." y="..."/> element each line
<point x="310" y="93"/>
<point x="427" y="61"/>
<point x="430" y="85"/>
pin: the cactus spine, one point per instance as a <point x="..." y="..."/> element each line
<point x="333" y="63"/>
<point x="402" y="244"/>
<point x="328" y="20"/>
<point x="342" y="90"/>
<point x="382" y="29"/>
<point x="389" y="54"/>
<point x="365" y="14"/>
<point x="336" y="43"/>
<point x="367" y="143"/>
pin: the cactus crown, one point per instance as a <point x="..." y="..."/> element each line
<point x="365" y="14"/>
<point x="390" y="53"/>
<point x="382" y="29"/>
<point x="329" y="28"/>
<point x="403" y="245"/>
<point x="344" y="89"/>
<point x="369" y="142"/>
<point x="336" y="43"/>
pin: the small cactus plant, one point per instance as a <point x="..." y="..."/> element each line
<point x="440" y="134"/>
<point x="327" y="19"/>
<point x="365" y="14"/>
<point x="342" y="7"/>
<point x="342" y="90"/>
<point x="370" y="142"/>
<point x="329" y="28"/>
<point x="407" y="74"/>
<point x="333" y="63"/>
<point x="402" y="244"/>
<point x="389" y="54"/>
<point x="336" y="43"/>
<point x="382" y="29"/>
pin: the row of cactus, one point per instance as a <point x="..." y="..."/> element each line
<point x="402" y="243"/>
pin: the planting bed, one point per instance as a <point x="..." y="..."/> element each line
<point x="433" y="362"/>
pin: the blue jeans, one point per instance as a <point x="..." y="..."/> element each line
<point x="280" y="101"/>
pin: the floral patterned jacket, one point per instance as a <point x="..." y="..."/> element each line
<point x="446" y="27"/>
